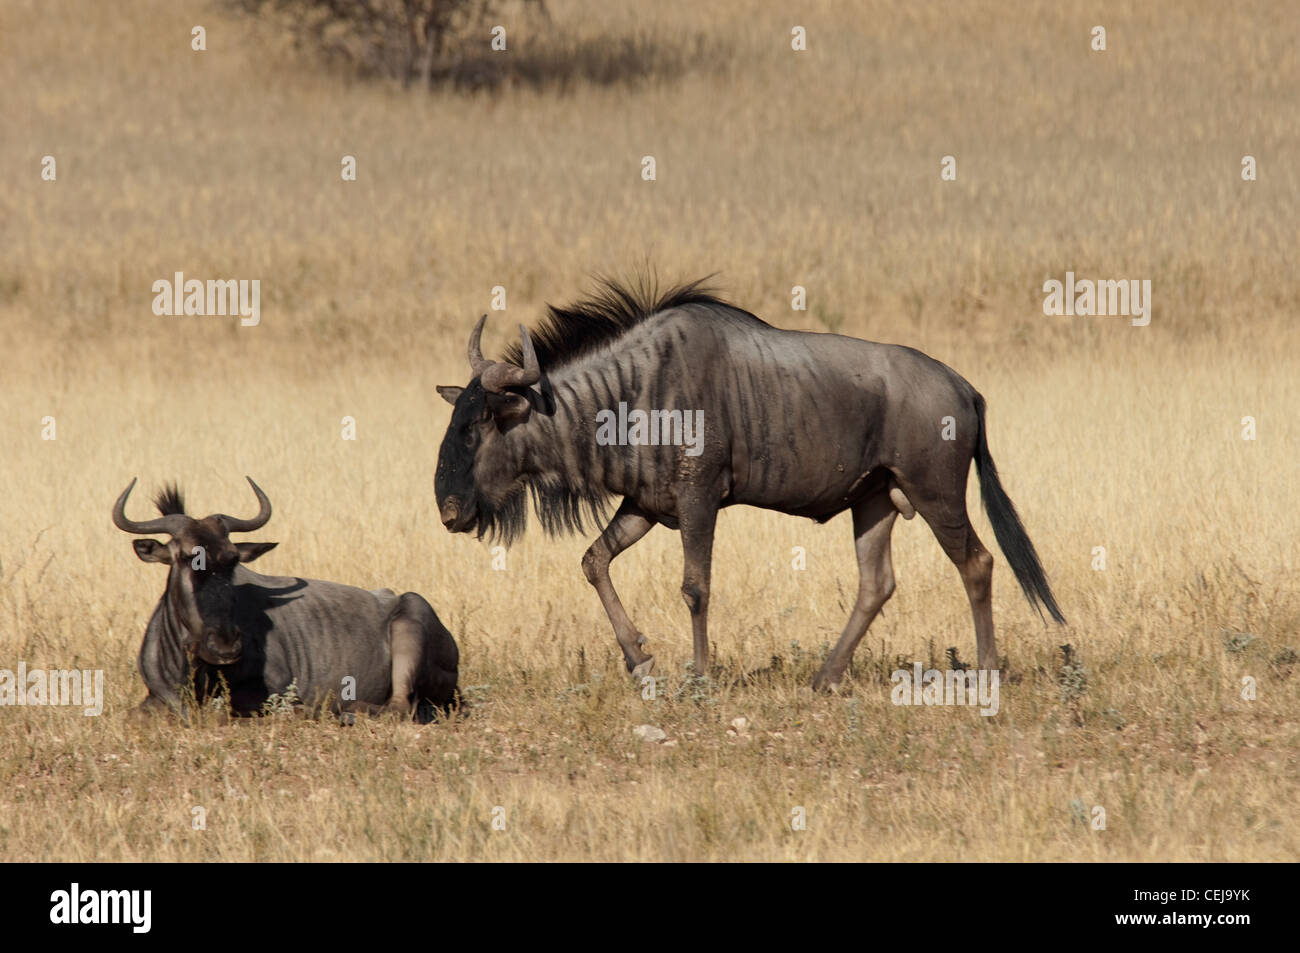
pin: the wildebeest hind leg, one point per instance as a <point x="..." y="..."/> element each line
<point x="873" y="522"/>
<point x="977" y="575"/>
<point x="952" y="528"/>
<point x="628" y="525"/>
<point x="405" y="636"/>
<point x="426" y="660"/>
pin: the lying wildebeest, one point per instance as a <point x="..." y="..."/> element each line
<point x="218" y="620"/>
<point x="726" y="409"/>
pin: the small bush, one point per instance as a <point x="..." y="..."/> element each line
<point x="448" y="43"/>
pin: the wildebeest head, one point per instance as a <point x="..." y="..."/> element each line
<point x="200" y="586"/>
<point x="478" y="484"/>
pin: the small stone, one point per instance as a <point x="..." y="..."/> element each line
<point x="650" y="733"/>
<point x="740" y="724"/>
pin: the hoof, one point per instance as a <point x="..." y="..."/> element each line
<point x="147" y="712"/>
<point x="824" y="683"/>
<point x="645" y="668"/>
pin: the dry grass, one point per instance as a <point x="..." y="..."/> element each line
<point x="775" y="169"/>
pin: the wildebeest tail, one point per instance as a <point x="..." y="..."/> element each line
<point x="1010" y="532"/>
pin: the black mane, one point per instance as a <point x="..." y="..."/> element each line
<point x="170" y="501"/>
<point x="564" y="503"/>
<point x="566" y="334"/>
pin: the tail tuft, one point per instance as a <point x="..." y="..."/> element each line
<point x="1010" y="532"/>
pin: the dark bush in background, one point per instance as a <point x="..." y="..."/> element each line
<point x="447" y="42"/>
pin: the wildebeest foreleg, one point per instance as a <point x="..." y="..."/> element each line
<point x="628" y="525"/>
<point x="153" y="705"/>
<point x="697" y="522"/>
<point x="873" y="521"/>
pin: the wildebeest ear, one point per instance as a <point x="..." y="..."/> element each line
<point x="509" y="408"/>
<point x="250" y="551"/>
<point x="450" y="394"/>
<point x="152" y="551"/>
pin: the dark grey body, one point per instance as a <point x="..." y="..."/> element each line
<point x="777" y="407"/>
<point x="802" y="423"/>
<point x="313" y="634"/>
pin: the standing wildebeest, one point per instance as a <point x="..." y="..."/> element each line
<point x="803" y="423"/>
<point x="219" y="620"/>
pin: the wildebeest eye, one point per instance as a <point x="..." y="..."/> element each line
<point x="471" y="438"/>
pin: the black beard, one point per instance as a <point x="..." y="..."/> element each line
<point x="561" y="506"/>
<point x="502" y="522"/>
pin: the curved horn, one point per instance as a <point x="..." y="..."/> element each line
<point x="477" y="363"/>
<point x="500" y="376"/>
<point x="257" y="522"/>
<point x="171" y="525"/>
<point x="532" y="370"/>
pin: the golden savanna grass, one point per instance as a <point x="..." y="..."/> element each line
<point x="775" y="169"/>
